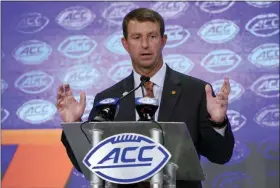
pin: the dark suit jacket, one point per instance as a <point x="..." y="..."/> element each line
<point x="187" y="105"/>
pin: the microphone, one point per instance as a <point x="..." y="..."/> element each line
<point x="107" y="109"/>
<point x="143" y="80"/>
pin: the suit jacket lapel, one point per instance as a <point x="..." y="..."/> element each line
<point x="127" y="104"/>
<point x="170" y="94"/>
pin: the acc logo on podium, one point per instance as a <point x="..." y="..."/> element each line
<point x="126" y="158"/>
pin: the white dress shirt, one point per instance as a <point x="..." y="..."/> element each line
<point x="158" y="80"/>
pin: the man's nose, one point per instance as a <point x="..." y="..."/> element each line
<point x="145" y="43"/>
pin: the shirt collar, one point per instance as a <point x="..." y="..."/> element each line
<point x="157" y="79"/>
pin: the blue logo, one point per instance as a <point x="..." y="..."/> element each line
<point x="36" y="111"/>
<point x="267" y="86"/>
<point x="77" y="46"/>
<point x="264" y="25"/>
<point x="4" y="85"/>
<point x="237" y="120"/>
<point x="236" y="89"/>
<point x="120" y="70"/>
<point x="32" y="52"/>
<point x="117" y="11"/>
<point x="233" y="179"/>
<point x="260" y="4"/>
<point x="268" y="116"/>
<point x="4" y="114"/>
<point x="176" y="35"/>
<point x="113" y="44"/>
<point x="214" y="7"/>
<point x="81" y="76"/>
<point x="32" y="22"/>
<point x="221" y="61"/>
<point x="240" y="153"/>
<point x="265" y="56"/>
<point x="179" y="63"/>
<point x="170" y="9"/>
<point x="126" y="158"/>
<point x="218" y="31"/>
<point x="269" y="148"/>
<point x="146" y="100"/>
<point x="75" y="18"/>
<point x="34" y="82"/>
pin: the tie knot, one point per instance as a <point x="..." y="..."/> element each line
<point x="149" y="89"/>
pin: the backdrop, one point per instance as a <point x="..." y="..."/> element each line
<point x="45" y="44"/>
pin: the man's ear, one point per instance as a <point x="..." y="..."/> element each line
<point x="163" y="40"/>
<point x="124" y="43"/>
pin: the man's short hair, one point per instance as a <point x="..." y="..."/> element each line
<point x="141" y="15"/>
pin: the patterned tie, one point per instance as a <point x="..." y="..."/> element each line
<point x="149" y="89"/>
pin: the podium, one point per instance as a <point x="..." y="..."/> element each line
<point x="184" y="161"/>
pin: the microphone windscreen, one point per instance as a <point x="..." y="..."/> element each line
<point x="144" y="79"/>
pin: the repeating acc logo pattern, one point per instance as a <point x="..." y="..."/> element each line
<point x="81" y="45"/>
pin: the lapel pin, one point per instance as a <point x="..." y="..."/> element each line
<point x="173" y="92"/>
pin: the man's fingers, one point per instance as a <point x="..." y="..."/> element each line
<point x="60" y="92"/>
<point x="226" y="86"/>
<point x="83" y="98"/>
<point x="221" y="96"/>
<point x="208" y="91"/>
<point x="68" y="89"/>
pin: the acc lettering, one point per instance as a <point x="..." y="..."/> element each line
<point x="76" y="16"/>
<point x="78" y="45"/>
<point x="267" y="24"/>
<point x="116" y="11"/>
<point x="31" y="50"/>
<point x="32" y="22"/>
<point x="265" y="55"/>
<point x="269" y="85"/>
<point x="120" y="70"/>
<point x="115" y="155"/>
<point x="121" y="152"/>
<point x="214" y="7"/>
<point x="219" y="29"/>
<point x="221" y="61"/>
<point x="268" y="55"/>
<point x="177" y="35"/>
<point x="82" y="75"/>
<point x="170" y="9"/>
<point x="264" y="25"/>
<point x="37" y="110"/>
<point x="35" y="81"/>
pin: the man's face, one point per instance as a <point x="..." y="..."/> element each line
<point x="144" y="43"/>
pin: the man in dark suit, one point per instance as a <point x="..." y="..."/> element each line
<point x="182" y="98"/>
